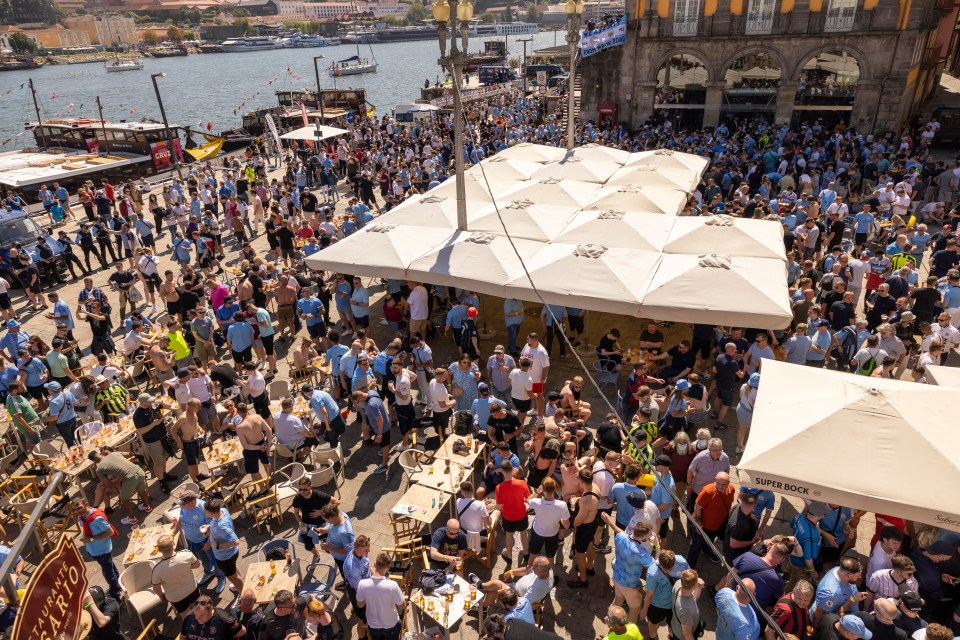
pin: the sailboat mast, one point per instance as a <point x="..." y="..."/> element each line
<point x="36" y="107"/>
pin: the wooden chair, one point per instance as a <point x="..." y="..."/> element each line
<point x="259" y="499"/>
<point x="538" y="613"/>
<point x="413" y="548"/>
<point x="488" y="557"/>
<point x="150" y="631"/>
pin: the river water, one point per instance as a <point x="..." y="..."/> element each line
<point x="218" y="88"/>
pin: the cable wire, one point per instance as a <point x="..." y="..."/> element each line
<point x="589" y="374"/>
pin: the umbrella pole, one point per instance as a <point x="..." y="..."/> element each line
<point x="584" y="347"/>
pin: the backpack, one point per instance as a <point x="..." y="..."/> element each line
<point x="866" y="368"/>
<point x="843" y="353"/>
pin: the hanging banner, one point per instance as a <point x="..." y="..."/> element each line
<point x="53" y="602"/>
<point x="160" y="151"/>
<point x="273" y="132"/>
<point x="595" y="41"/>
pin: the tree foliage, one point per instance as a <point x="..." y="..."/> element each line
<point x="416" y="12"/>
<point x="507" y="14"/>
<point x="18" y="11"/>
<point x="21" y="43"/>
<point x="174" y="34"/>
<point x="487" y="17"/>
<point x="532" y="14"/>
<point x="150" y="39"/>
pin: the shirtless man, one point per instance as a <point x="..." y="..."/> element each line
<point x="163" y="359"/>
<point x="287" y="291"/>
<point x="168" y="293"/>
<point x="188" y="432"/>
<point x="584" y="527"/>
<point x="244" y="291"/>
<point x="254" y="434"/>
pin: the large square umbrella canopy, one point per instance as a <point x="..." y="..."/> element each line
<point x="313" y="132"/>
<point x="733" y="236"/>
<point x="881" y="445"/>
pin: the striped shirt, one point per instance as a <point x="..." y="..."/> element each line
<point x="114" y="398"/>
<point x="883" y="584"/>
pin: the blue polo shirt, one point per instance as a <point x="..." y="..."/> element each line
<point x="61" y="311"/>
<point x="34" y="368"/>
<point x="355" y="569"/>
<point x="456" y="316"/>
<point x="360" y="295"/>
<point x="323" y="399"/>
<point x="619" y="494"/>
<point x="342" y="297"/>
<point x="629" y="562"/>
<point x="334" y="354"/>
<point x="265" y="323"/>
<point x="558" y="312"/>
<point x="832" y="592"/>
<point x="660" y="494"/>
<point x="312" y="306"/>
<point x="481" y="410"/>
<point x="342" y="536"/>
<point x="225" y="311"/>
<point x="511" y="305"/>
<point x="766" y="500"/>
<point x="222" y="531"/>
<point x="661" y="585"/>
<point x="61" y="405"/>
<point x="376" y="409"/>
<point x="833" y="522"/>
<point x="523" y="611"/>
<point x="191" y="520"/>
<point x="808" y="535"/>
<point x="240" y="335"/>
<point x="13" y="342"/>
<point x="99" y="547"/>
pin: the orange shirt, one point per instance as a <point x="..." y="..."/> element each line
<point x="511" y="495"/>
<point x="715" y="506"/>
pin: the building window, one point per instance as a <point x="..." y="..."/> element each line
<point x="760" y="17"/>
<point x="686" y="17"/>
<point x="840" y="15"/>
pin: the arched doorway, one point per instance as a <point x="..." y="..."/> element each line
<point x="752" y="82"/>
<point x="681" y="91"/>
<point x="826" y="89"/>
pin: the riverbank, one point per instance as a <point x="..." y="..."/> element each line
<point x="86" y="58"/>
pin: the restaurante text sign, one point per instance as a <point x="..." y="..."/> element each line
<point x="51" y="606"/>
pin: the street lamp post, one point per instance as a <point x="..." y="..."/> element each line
<point x="316" y="70"/>
<point x="462" y="12"/>
<point x="525" y="41"/>
<point x="166" y="125"/>
<point x="574" y="10"/>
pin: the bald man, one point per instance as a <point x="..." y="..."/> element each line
<point x="448" y="546"/>
<point x="712" y="508"/>
<point x="735" y="616"/>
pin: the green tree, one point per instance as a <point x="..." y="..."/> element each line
<point x="245" y="25"/>
<point x="174" y="34"/>
<point x="190" y="35"/>
<point x="150" y="39"/>
<point x="416" y="12"/>
<point x="532" y="14"/>
<point x="507" y="14"/>
<point x="21" y="43"/>
<point x="487" y="17"/>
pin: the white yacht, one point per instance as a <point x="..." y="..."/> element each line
<point x="124" y="65"/>
<point x="507" y="29"/>
<point x="249" y="44"/>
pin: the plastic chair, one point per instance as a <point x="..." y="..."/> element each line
<point x="696" y="417"/>
<point x="326" y="475"/>
<point x="278" y="390"/>
<point x="286" y="481"/>
<point x="137" y="581"/>
<point x="49" y="448"/>
<point x="604" y="372"/>
<point x="277" y="544"/>
<point x="317" y="586"/>
<point x="411" y="460"/>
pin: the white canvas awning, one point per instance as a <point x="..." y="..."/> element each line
<point x="943" y="376"/>
<point x="866" y="443"/>
<point x="617" y="248"/>
<point x="313" y="132"/>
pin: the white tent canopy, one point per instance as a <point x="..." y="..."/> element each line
<point x="586" y="242"/>
<point x="866" y="443"/>
<point x="313" y="132"/>
<point x="943" y="376"/>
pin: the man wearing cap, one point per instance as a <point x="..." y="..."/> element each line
<point x="62" y="412"/>
<point x="192" y="521"/>
<point x="114" y="467"/>
<point x="909" y="606"/>
<point x="152" y="429"/>
<point x="470" y="335"/>
<point x="112" y="399"/>
<point x="807" y="534"/>
<point x="15" y="339"/>
<point x="820" y="345"/>
<point x="482" y="406"/>
<point x="172" y="577"/>
<point x="833" y="627"/>
<point x="662" y="492"/>
<point x="741" y="529"/>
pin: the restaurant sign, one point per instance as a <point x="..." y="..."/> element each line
<point x="51" y="606"/>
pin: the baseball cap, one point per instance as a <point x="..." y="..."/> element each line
<point x="100" y="379"/>
<point x="636" y="498"/>
<point x="754" y="380"/>
<point x="823" y="323"/>
<point x="912" y="601"/>
<point x="853" y="624"/>
<point x="662" y="461"/>
<point x="307" y="388"/>
<point x="554" y="395"/>
<point x="472" y="312"/>
<point x="187" y="496"/>
<point x="12" y="323"/>
<point x="52" y="386"/>
<point x="483" y="388"/>
<point x="499" y="349"/>
<point x="146" y="398"/>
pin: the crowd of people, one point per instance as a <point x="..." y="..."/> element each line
<point x="872" y="268"/>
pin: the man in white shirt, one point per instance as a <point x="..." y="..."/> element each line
<point x="419" y="309"/>
<point x="382" y="600"/>
<point x="256" y="387"/>
<point x="534" y="583"/>
<point x="539" y="369"/>
<point x="549" y="515"/>
<point x="472" y="513"/>
<point x="421" y="357"/>
<point x="441" y="403"/>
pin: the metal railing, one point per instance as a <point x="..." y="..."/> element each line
<point x="820" y="22"/>
<point x="671" y="28"/>
<point x="743" y="25"/>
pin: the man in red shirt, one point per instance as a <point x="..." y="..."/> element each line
<point x="711" y="512"/>
<point x="512" y="497"/>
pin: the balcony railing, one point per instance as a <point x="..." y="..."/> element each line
<point x="671" y="28"/>
<point x="820" y="22"/>
<point x="931" y="19"/>
<point x="743" y="25"/>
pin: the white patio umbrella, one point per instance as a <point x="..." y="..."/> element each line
<point x="533" y="153"/>
<point x="666" y="159"/>
<point x="719" y="289"/>
<point x="588" y="277"/>
<point x="481" y="262"/>
<point x="599" y="153"/>
<point x="631" y="229"/>
<point x="865" y="443"/>
<point x="475" y="189"/>
<point x="633" y="198"/>
<point x="551" y="191"/>
<point x="379" y="250"/>
<point x="943" y="376"/>
<point x="313" y="132"/>
<point x="525" y="218"/>
<point x="733" y="236"/>
<point x="647" y="175"/>
<point x="499" y="168"/>
<point x="434" y="209"/>
<point x="581" y="168"/>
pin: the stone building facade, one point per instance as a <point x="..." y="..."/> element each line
<point x="867" y="63"/>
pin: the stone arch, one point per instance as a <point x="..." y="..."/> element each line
<point x="784" y="66"/>
<point x="853" y="52"/>
<point x="677" y="51"/>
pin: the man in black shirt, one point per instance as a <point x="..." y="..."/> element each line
<point x="306" y="507"/>
<point x="651" y="339"/>
<point x="881" y="621"/>
<point x="284" y="616"/>
<point x="285" y="237"/>
<point x="741" y="528"/>
<point x="151" y="428"/>
<point x="503" y="426"/>
<point x="206" y="622"/>
<point x="609" y="436"/>
<point x="105" y="614"/>
<point x="727" y="370"/>
<point x="122" y="280"/>
<point x="682" y="360"/>
<point x="925" y="300"/>
<point x="945" y="259"/>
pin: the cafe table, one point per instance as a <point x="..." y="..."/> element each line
<point x="266" y="581"/>
<point x="442" y="475"/>
<point x="223" y="453"/>
<point x="446" y="610"/>
<point x="426" y="504"/>
<point x="143" y="543"/>
<point x="445" y="452"/>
